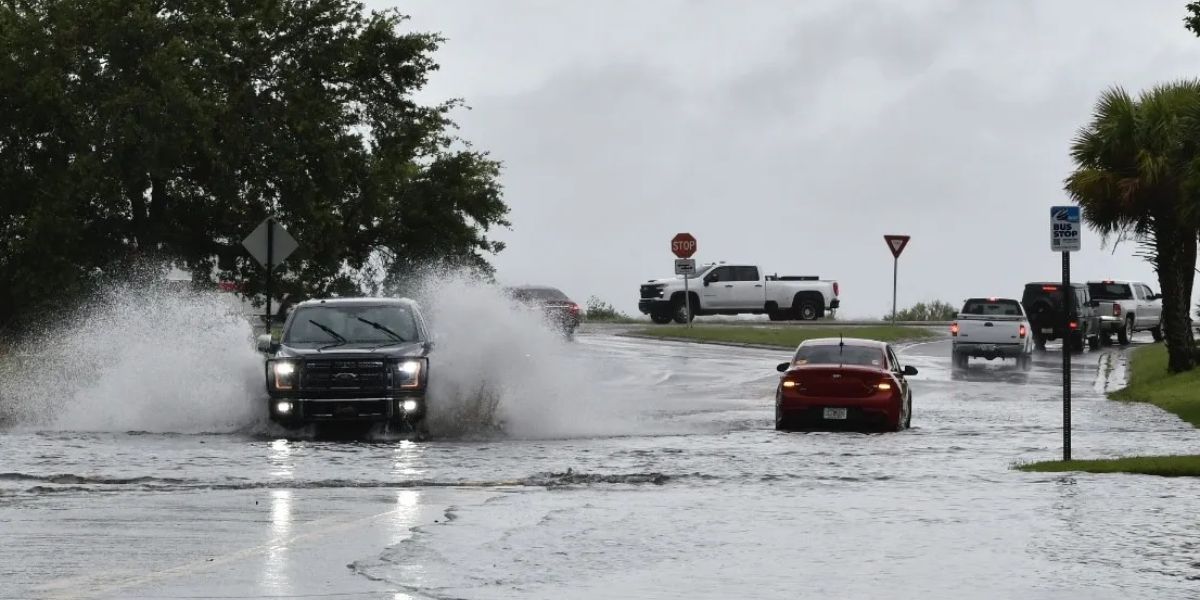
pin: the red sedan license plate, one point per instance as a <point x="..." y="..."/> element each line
<point x="835" y="413"/>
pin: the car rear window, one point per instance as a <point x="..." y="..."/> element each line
<point x="833" y="354"/>
<point x="989" y="307"/>
<point x="1110" y="291"/>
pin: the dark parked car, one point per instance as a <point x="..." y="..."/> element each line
<point x="362" y="360"/>
<point x="1043" y="303"/>
<point x="558" y="310"/>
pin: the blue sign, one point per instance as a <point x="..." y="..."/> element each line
<point x="1066" y="229"/>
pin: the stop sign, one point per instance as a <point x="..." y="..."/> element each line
<point x="683" y="245"/>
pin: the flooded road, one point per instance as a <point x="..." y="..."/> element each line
<point x="675" y="486"/>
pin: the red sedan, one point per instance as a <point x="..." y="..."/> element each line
<point x="843" y="384"/>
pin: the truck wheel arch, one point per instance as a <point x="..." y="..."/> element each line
<point x="816" y="299"/>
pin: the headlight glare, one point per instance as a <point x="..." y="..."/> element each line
<point x="285" y="375"/>
<point x="408" y="373"/>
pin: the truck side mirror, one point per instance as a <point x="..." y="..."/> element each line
<point x="706" y="282"/>
<point x="910" y="370"/>
<point x="265" y="344"/>
<point x="783" y="367"/>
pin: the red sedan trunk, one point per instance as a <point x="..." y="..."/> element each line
<point x="840" y="397"/>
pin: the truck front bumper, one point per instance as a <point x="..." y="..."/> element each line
<point x="297" y="410"/>
<point x="648" y="306"/>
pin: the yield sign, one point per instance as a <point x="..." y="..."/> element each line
<point x="896" y="243"/>
<point x="281" y="243"/>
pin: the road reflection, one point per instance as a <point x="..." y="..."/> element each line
<point x="275" y="578"/>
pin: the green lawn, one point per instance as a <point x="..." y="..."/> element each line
<point x="1167" y="466"/>
<point x="1148" y="382"/>
<point x="784" y="336"/>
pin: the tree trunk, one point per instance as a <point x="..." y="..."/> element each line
<point x="1176" y="251"/>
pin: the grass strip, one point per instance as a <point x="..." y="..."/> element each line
<point x="785" y="336"/>
<point x="1185" y="465"/>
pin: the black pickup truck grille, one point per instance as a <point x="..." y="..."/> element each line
<point x="651" y="291"/>
<point x="344" y="375"/>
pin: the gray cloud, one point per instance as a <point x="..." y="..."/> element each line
<point x="794" y="134"/>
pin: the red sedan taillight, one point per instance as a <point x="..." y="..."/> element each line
<point x="1074" y="325"/>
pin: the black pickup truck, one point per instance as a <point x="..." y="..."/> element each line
<point x="348" y="360"/>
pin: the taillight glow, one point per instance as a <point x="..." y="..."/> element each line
<point x="1021" y="331"/>
<point x="1049" y="288"/>
<point x="954" y="329"/>
<point x="884" y="386"/>
<point x="788" y="383"/>
<point x="1074" y="325"/>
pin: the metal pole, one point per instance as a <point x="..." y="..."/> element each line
<point x="270" y="267"/>
<point x="1068" y="347"/>
<point x="895" y="275"/>
<point x="687" y="299"/>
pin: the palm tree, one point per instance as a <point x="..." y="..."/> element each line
<point x="1137" y="169"/>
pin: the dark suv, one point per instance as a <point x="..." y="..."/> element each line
<point x="349" y="360"/>
<point x="1043" y="302"/>
<point x="558" y="310"/>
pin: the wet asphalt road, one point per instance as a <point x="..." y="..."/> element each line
<point x="682" y="490"/>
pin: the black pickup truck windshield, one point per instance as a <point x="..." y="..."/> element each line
<point x="354" y="324"/>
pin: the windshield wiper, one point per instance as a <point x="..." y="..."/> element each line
<point x="339" y="337"/>
<point x="395" y="336"/>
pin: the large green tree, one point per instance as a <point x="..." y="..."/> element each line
<point x="134" y="129"/>
<point x="1137" y="165"/>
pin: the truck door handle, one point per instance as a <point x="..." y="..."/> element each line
<point x="758" y="285"/>
<point x="988" y="324"/>
<point x="729" y="285"/>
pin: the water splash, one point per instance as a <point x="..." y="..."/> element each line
<point x="499" y="367"/>
<point x="145" y="358"/>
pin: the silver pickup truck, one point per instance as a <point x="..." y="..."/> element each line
<point x="992" y="328"/>
<point x="1126" y="307"/>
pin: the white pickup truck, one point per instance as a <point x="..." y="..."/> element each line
<point x="992" y="328"/>
<point x="1126" y="307"/>
<point x="723" y="289"/>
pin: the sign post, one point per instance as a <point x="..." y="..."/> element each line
<point x="270" y="244"/>
<point x="1065" y="237"/>
<point x="896" y="243"/>
<point x="683" y="245"/>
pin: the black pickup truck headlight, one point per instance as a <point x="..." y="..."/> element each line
<point x="410" y="373"/>
<point x="284" y="373"/>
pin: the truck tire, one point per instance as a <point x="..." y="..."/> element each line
<point x="1094" y="342"/>
<point x="660" y="318"/>
<point x="1025" y="362"/>
<point x="680" y="314"/>
<point x="1125" y="332"/>
<point x="1157" y="332"/>
<point x="1074" y="342"/>
<point x="1039" y="342"/>
<point x="776" y="315"/>
<point x="806" y="307"/>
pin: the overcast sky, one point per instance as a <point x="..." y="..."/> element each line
<point x="794" y="134"/>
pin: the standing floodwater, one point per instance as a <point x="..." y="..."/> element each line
<point x="672" y="483"/>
